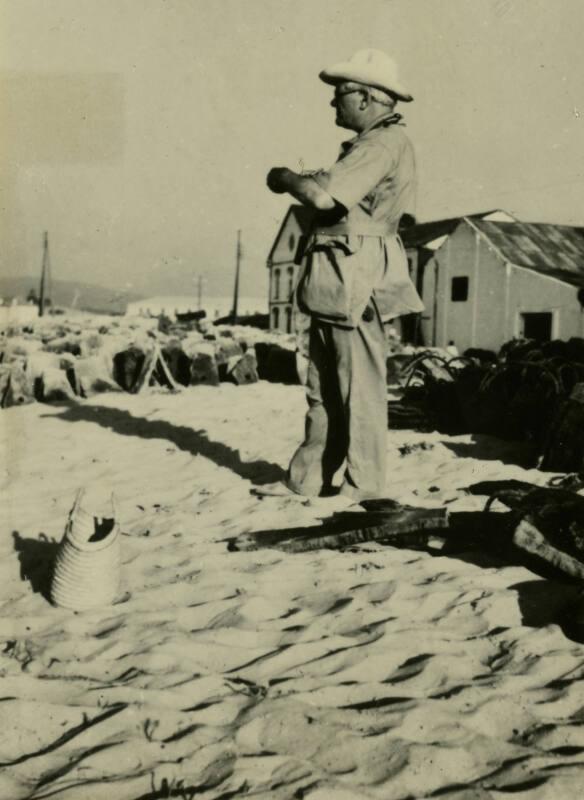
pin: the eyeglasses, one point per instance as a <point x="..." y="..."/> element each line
<point x="338" y="94"/>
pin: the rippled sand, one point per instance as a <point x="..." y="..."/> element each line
<point x="374" y="673"/>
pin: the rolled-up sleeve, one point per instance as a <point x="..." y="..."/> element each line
<point x="357" y="173"/>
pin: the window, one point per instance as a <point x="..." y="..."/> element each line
<point x="537" y="326"/>
<point x="288" y="319"/>
<point x="275" y="318"/>
<point x="291" y="241"/>
<point x="459" y="290"/>
<point x="290" y="281"/>
<point x="276" y="284"/>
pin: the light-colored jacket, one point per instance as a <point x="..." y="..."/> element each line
<point x="360" y="257"/>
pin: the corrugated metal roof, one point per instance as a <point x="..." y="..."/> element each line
<point x="555" y="250"/>
<point x="423" y="232"/>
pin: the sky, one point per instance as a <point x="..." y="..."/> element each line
<point x="138" y="133"/>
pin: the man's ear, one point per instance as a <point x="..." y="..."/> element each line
<point x="365" y="100"/>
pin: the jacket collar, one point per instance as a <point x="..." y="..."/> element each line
<point x="392" y="118"/>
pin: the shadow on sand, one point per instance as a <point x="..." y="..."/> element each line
<point x="195" y="442"/>
<point x="542" y="602"/>
<point x="491" y="448"/>
<point x="36" y="557"/>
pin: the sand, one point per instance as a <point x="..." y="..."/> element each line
<point x="374" y="673"/>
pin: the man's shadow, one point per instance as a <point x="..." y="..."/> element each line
<point x="36" y="557"/>
<point x="195" y="442"/>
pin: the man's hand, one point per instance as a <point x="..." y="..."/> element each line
<point x="276" y="179"/>
<point x="302" y="187"/>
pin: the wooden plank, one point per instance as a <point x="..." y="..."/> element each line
<point x="529" y="539"/>
<point x="350" y="528"/>
<point x="155" y="368"/>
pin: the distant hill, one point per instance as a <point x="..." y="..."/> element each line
<point x="66" y="294"/>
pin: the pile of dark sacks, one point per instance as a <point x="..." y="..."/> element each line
<point x="529" y="391"/>
<point x="64" y="360"/>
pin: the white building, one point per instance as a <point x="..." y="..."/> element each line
<point x="488" y="278"/>
<point x="284" y="270"/>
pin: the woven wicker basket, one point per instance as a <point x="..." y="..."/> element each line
<point x="86" y="572"/>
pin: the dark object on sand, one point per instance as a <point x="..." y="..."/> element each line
<point x="443" y="392"/>
<point x="549" y="522"/>
<point x="244" y="370"/>
<point x="204" y="370"/>
<point x="529" y="538"/>
<point x="481" y="355"/>
<point x="543" y="528"/>
<point x="403" y="415"/>
<point x="276" y="364"/>
<point x="135" y="370"/>
<point x="191" y="316"/>
<point x="523" y="395"/>
<point x="127" y="367"/>
<point x="14" y="388"/>
<point x="385" y="520"/>
<point x="226" y="352"/>
<point x="178" y="363"/>
<point x="154" y="371"/>
<point x="261" y="321"/>
<point x="4" y="382"/>
<point x="564" y="451"/>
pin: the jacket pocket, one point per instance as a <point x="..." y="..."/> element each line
<point x="325" y="288"/>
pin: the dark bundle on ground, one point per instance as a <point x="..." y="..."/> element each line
<point x="482" y="356"/>
<point x="276" y="364"/>
<point x="178" y="363"/>
<point x="261" y="321"/>
<point x="548" y="522"/>
<point x="128" y="366"/>
<point x="191" y="316"/>
<point x="440" y="394"/>
<point x="523" y="395"/>
<point x="564" y="446"/>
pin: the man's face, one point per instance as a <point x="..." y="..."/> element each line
<point x="347" y="102"/>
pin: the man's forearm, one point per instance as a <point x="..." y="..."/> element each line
<point x="302" y="187"/>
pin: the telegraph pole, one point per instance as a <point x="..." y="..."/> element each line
<point x="45" y="275"/>
<point x="199" y="292"/>
<point x="236" y="287"/>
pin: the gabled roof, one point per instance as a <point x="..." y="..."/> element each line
<point x="303" y="216"/>
<point x="554" y="250"/>
<point x="421" y="233"/>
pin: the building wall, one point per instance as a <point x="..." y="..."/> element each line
<point x="283" y="277"/>
<point x="430" y="298"/>
<point x="481" y="321"/>
<point x="445" y="320"/>
<point x="498" y="294"/>
<point x="544" y="294"/>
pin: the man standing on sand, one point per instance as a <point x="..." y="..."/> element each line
<point x="354" y="278"/>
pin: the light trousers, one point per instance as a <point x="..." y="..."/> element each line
<point x="347" y="412"/>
